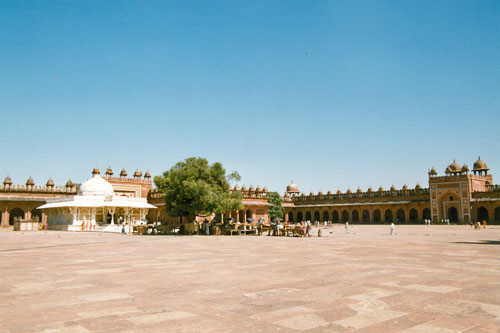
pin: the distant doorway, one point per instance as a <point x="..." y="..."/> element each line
<point x="16" y="212"/>
<point x="300" y="218"/>
<point x="452" y="214"/>
<point x="482" y="214"/>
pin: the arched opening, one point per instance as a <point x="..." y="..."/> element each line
<point x="482" y="214"/>
<point x="300" y="217"/>
<point x="355" y="216"/>
<point x="326" y="216"/>
<point x="248" y="214"/>
<point x="290" y="217"/>
<point x="452" y="214"/>
<point x="316" y="216"/>
<point x="426" y="214"/>
<point x="16" y="212"/>
<point x="366" y="216"/>
<point x="345" y="216"/>
<point x="413" y="215"/>
<point x="335" y="216"/>
<point x="496" y="213"/>
<point x="36" y="213"/>
<point x="388" y="217"/>
<point x="376" y="216"/>
<point x="308" y="216"/>
<point x="400" y="216"/>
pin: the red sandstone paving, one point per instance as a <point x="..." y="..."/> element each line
<point x="438" y="278"/>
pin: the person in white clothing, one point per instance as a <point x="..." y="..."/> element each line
<point x="393" y="229"/>
<point x="347" y="227"/>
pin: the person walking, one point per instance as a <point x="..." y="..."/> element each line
<point x="393" y="229"/>
<point x="347" y="227"/>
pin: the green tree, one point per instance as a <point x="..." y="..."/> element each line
<point x="193" y="187"/>
<point x="276" y="210"/>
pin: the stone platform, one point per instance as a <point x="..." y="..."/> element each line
<point x="425" y="279"/>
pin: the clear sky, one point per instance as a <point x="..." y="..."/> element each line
<point x="331" y="94"/>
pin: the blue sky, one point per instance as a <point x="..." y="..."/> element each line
<point x="331" y="94"/>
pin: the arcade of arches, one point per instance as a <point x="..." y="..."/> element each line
<point x="363" y="214"/>
<point x="460" y="196"/>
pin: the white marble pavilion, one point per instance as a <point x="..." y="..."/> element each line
<point x="97" y="205"/>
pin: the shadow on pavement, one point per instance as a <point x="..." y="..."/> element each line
<point x="482" y="242"/>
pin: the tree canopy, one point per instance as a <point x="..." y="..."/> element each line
<point x="276" y="210"/>
<point x="193" y="187"/>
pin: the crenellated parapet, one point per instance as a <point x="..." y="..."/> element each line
<point x="30" y="187"/>
<point x="417" y="193"/>
<point x="251" y="192"/>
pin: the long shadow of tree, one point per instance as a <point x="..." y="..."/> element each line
<point x="482" y="242"/>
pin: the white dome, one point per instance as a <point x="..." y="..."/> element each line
<point x="96" y="186"/>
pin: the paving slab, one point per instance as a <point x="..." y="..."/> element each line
<point x="425" y="279"/>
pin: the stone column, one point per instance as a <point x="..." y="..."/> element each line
<point x="237" y="216"/>
<point x="92" y="217"/>
<point x="5" y="218"/>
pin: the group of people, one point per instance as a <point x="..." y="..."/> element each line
<point x="87" y="226"/>
<point x="477" y="225"/>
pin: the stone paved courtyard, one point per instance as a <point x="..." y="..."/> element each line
<point x="425" y="279"/>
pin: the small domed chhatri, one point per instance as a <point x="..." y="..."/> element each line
<point x="147" y="175"/>
<point x="109" y="172"/>
<point x="265" y="190"/>
<point x="455" y="166"/>
<point x="50" y="183"/>
<point x="405" y="187"/>
<point x="292" y="188"/>
<point x="320" y="193"/>
<point x="480" y="167"/>
<point x="393" y="188"/>
<point x="96" y="171"/>
<point x="137" y="173"/>
<point x="251" y="188"/>
<point x="329" y="192"/>
<point x="7" y="181"/>
<point x="381" y="189"/>
<point x="123" y="173"/>
<point x="339" y="191"/>
<point x="370" y="190"/>
<point x="348" y="191"/>
<point x="418" y="187"/>
<point x="30" y="182"/>
<point x="432" y="172"/>
<point x="359" y="191"/>
<point x="69" y="183"/>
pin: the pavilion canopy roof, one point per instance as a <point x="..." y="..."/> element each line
<point x="97" y="201"/>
